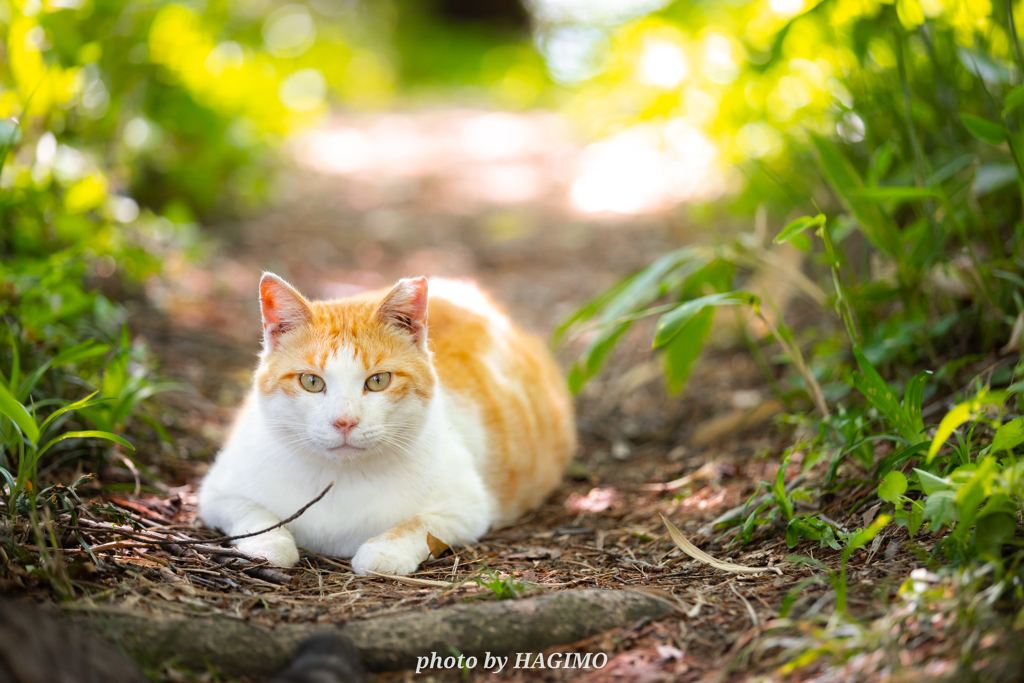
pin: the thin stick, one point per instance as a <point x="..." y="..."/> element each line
<point x="225" y="539"/>
<point x="221" y="539"/>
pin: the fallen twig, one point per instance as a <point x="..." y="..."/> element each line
<point x="247" y="563"/>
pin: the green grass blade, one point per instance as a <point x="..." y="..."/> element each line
<point x="89" y="434"/>
<point x="77" y="405"/>
<point x="10" y="407"/>
<point x="983" y="129"/>
<point x="912" y="398"/>
<point x="875" y="389"/>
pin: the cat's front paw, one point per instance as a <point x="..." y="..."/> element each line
<point x="385" y="557"/>
<point x="276" y="548"/>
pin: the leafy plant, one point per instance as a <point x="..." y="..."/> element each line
<point x="502" y="588"/>
<point x="25" y="440"/>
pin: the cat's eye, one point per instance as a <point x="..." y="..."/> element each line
<point x="311" y="383"/>
<point x="378" y="382"/>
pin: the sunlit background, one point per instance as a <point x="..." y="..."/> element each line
<point x="593" y="107"/>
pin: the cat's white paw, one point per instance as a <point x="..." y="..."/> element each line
<point x="385" y="558"/>
<point x="276" y="548"/>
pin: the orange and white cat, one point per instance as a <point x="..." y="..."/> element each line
<point x="448" y="427"/>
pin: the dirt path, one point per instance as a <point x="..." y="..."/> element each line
<point x="333" y="231"/>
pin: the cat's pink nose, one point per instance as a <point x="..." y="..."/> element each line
<point x="345" y="425"/>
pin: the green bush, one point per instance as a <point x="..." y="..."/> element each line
<point x="916" y="137"/>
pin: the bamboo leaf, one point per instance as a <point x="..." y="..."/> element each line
<point x="685" y="348"/>
<point x="1014" y="100"/>
<point x="875" y="389"/>
<point x="899" y="194"/>
<point x="77" y="405"/>
<point x="983" y="129"/>
<point x="10" y="407"/>
<point x="696" y="553"/>
<point x="670" y="324"/>
<point x="798" y="226"/>
<point x="89" y="434"/>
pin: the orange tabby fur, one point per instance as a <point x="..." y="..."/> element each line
<point x="504" y="399"/>
<point x="530" y="425"/>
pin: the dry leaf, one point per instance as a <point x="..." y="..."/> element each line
<point x="696" y="553"/>
<point x="437" y="547"/>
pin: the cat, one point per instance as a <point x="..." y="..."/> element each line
<point x="428" y="409"/>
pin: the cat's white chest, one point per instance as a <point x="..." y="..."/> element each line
<point x="365" y="499"/>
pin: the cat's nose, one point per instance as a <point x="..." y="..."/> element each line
<point x="345" y="425"/>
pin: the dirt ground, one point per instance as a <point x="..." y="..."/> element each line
<point x="641" y="453"/>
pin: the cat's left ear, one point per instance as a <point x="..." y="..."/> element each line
<point x="405" y="307"/>
<point x="282" y="306"/>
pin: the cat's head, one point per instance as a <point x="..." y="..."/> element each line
<point x="345" y="379"/>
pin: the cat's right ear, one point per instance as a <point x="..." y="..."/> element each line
<point x="283" y="308"/>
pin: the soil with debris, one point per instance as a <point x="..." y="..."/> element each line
<point x="642" y="453"/>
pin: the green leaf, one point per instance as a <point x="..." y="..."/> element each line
<point x="874" y="388"/>
<point x="961" y="414"/>
<point x="974" y="492"/>
<point x="1014" y="100"/>
<point x="912" y="518"/>
<point x="673" y="322"/>
<point x="897" y="458"/>
<point x="940" y="507"/>
<point x="864" y="536"/>
<point x="592" y="359"/>
<point x="10" y="407"/>
<point x="1009" y="435"/>
<point x="630" y="296"/>
<point x="685" y="347"/>
<point x="799" y="528"/>
<point x="892" y="487"/>
<point x="71" y="407"/>
<point x="798" y="226"/>
<point x="930" y="483"/>
<point x="992" y="533"/>
<point x="593" y="307"/>
<point x="983" y="129"/>
<point x="9" y="478"/>
<point x="913" y="395"/>
<point x="79" y="352"/>
<point x="90" y="434"/>
<point x="899" y="194"/>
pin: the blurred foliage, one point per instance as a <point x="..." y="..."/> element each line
<point x="122" y="123"/>
<point x="896" y="127"/>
